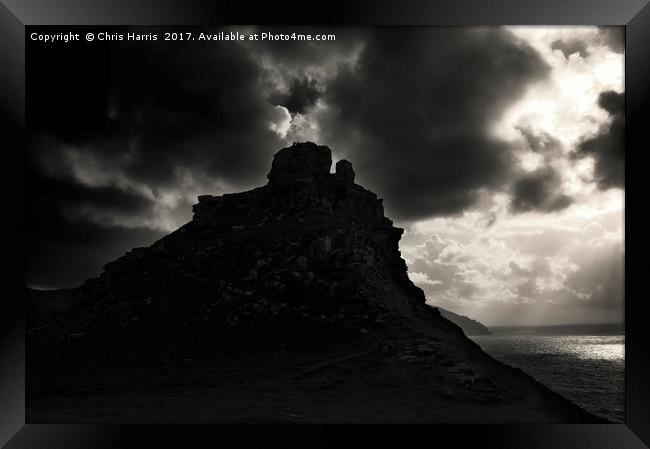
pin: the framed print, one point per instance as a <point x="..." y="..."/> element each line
<point x="361" y="214"/>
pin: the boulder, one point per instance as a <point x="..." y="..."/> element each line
<point x="344" y="171"/>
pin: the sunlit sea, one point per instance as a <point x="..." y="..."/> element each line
<point x="586" y="369"/>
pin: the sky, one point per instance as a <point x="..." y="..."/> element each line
<point x="499" y="150"/>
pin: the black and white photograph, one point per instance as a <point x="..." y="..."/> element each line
<point x="291" y="224"/>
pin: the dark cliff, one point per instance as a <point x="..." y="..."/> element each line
<point x="295" y="289"/>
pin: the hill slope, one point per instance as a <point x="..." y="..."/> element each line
<point x="469" y="326"/>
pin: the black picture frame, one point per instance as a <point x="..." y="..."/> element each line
<point x="15" y="15"/>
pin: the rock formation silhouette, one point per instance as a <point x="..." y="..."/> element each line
<point x="292" y="294"/>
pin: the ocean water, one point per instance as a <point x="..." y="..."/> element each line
<point x="586" y="369"/>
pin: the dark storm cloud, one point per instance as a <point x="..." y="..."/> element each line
<point x="608" y="146"/>
<point x="63" y="248"/>
<point x="191" y="107"/>
<point x="160" y="107"/>
<point x="612" y="102"/>
<point x="613" y="37"/>
<point x="539" y="191"/>
<point x="414" y="113"/>
<point x="65" y="245"/>
<point x="569" y="47"/>
<point x="297" y="72"/>
<point x="302" y="94"/>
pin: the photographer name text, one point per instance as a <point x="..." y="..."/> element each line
<point x="222" y="36"/>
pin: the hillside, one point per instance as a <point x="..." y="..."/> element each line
<point x="469" y="326"/>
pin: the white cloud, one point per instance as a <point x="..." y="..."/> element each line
<point x="423" y="279"/>
<point x="281" y="121"/>
<point x="552" y="263"/>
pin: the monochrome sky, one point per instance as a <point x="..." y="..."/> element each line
<point x="499" y="150"/>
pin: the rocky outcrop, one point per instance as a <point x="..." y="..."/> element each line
<point x="43" y="306"/>
<point x="308" y="240"/>
<point x="294" y="288"/>
<point x="344" y="171"/>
